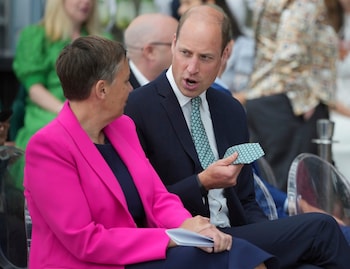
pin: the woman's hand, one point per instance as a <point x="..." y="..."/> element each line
<point x="222" y="241"/>
<point x="203" y="226"/>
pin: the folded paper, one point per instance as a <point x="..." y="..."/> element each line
<point x="184" y="237"/>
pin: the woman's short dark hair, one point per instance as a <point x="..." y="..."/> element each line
<point x="85" y="61"/>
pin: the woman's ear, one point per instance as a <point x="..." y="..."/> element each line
<point x="100" y="89"/>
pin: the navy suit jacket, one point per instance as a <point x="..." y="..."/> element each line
<point x="167" y="142"/>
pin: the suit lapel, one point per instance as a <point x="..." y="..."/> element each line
<point x="174" y="112"/>
<point x="219" y="122"/>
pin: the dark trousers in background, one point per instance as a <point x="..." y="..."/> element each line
<point x="282" y="134"/>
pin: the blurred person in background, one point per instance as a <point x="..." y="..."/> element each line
<point x="341" y="147"/>
<point x="148" y="42"/>
<point x="243" y="12"/>
<point x="4" y="125"/>
<point x="293" y="81"/>
<point x="163" y="6"/>
<point x="34" y="64"/>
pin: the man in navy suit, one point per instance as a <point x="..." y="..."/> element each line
<point x="223" y="192"/>
<point x="148" y="40"/>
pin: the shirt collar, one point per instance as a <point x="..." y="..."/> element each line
<point x="183" y="100"/>
<point x="138" y="75"/>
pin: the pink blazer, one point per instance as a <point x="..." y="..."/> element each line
<point x="79" y="212"/>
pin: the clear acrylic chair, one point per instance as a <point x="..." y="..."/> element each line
<point x="13" y="252"/>
<point x="317" y="183"/>
<point x="265" y="200"/>
<point x="266" y="172"/>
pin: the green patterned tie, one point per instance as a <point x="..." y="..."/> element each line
<point x="199" y="136"/>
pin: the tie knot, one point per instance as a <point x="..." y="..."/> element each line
<point x="196" y="102"/>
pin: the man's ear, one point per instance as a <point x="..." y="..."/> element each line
<point x="148" y="52"/>
<point x="228" y="50"/>
<point x="173" y="43"/>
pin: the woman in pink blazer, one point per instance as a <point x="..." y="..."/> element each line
<point x="94" y="198"/>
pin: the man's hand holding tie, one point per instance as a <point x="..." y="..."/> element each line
<point x="221" y="173"/>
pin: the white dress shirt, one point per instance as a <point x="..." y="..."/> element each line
<point x="138" y="75"/>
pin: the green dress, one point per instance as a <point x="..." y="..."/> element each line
<point x="34" y="63"/>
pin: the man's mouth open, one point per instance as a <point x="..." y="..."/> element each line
<point x="190" y="84"/>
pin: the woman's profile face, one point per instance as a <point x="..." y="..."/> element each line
<point x="118" y="91"/>
<point x="79" y="10"/>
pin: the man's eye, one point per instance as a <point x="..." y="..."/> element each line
<point x="185" y="53"/>
<point x="206" y="57"/>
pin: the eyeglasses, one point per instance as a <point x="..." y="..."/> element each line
<point x="161" y="44"/>
<point x="168" y="44"/>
